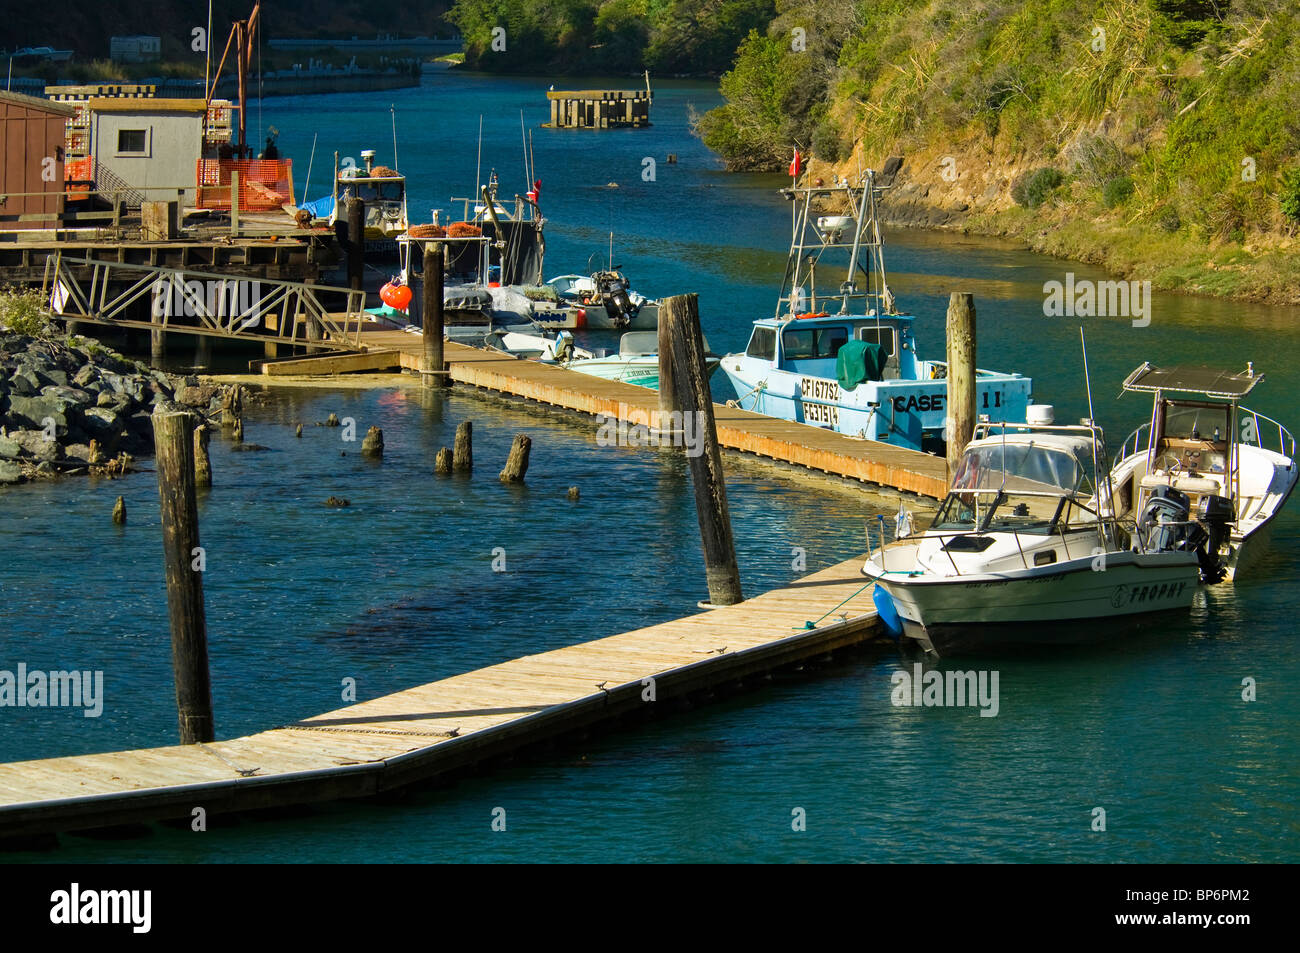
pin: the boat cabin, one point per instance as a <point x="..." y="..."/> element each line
<point x="1191" y="440"/>
<point x="810" y="344"/>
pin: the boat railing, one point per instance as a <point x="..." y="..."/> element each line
<point x="1252" y="432"/>
<point x="1134" y="438"/>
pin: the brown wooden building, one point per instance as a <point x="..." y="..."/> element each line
<point x="31" y="160"/>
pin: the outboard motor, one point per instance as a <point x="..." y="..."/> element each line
<point x="1164" y="524"/>
<point x="618" y="303"/>
<point x="1216" y="515"/>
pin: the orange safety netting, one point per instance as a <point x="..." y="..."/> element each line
<point x="264" y="184"/>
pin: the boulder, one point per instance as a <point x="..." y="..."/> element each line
<point x="34" y="446"/>
<point x="101" y="422"/>
<point x="89" y="374"/>
<point x="24" y="381"/>
<point x="197" y="395"/>
<point x="33" y="411"/>
<point x="10" y="449"/>
<point x="10" y="473"/>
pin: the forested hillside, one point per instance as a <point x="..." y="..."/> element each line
<point x="1131" y="132"/>
<point x="674" y="37"/>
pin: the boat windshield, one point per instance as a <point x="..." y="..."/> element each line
<point x="1027" y="467"/>
<point x="997" y="512"/>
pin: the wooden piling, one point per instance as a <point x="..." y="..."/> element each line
<point x="442" y="463"/>
<point x="372" y="444"/>
<point x="174" y="448"/>
<point x="517" y="462"/>
<point x="356" y="250"/>
<point x="685" y="342"/>
<point x="202" y="352"/>
<point x="961" y="376"/>
<point x="202" y="462"/>
<point x="463" y="456"/>
<point x="119" y="511"/>
<point x="667" y="386"/>
<point x="431" y="318"/>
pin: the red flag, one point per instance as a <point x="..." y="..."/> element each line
<point x="796" y="165"/>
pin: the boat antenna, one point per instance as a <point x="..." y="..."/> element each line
<point x="306" y="186"/>
<point x="392" y="109"/>
<point x="207" y="52"/>
<point x="1086" y="379"/>
<point x="528" y="175"/>
<point x="1096" y="466"/>
<point x="478" y="163"/>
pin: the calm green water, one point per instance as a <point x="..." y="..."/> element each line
<point x="398" y="589"/>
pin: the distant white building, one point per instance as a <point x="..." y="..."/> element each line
<point x="135" y="49"/>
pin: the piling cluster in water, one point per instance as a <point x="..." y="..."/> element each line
<point x="69" y="405"/>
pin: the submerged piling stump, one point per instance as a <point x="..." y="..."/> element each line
<point x="372" y="444"/>
<point x="182" y="557"/>
<point x="680" y="314"/>
<point x="517" y="462"/>
<point x="463" y="455"/>
<point x="442" y="463"/>
<point x="119" y="511"/>
<point x="202" y="462"/>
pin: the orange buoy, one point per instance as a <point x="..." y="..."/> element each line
<point x="396" y="295"/>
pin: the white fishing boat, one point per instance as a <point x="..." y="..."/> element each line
<point x="1021" y="548"/>
<point x="637" y="360"/>
<point x="383" y="190"/>
<point x="602" y="300"/>
<point x="847" y="360"/>
<point x="1201" y="445"/>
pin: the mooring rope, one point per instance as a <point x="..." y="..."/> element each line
<point x="813" y="625"/>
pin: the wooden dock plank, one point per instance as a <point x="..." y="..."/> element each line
<point x="405" y="737"/>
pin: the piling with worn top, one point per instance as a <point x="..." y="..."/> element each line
<point x="182" y="558"/>
<point x="434" y="365"/>
<point x="463" y="456"/>
<point x="961" y="376"/>
<point x="667" y="398"/>
<point x="202" y="462"/>
<point x="356" y="249"/>
<point x="685" y="343"/>
<point x="517" y="462"/>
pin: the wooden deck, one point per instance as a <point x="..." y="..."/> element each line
<point x="424" y="732"/>
<point x="786" y="441"/>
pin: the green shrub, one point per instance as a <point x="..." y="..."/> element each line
<point x="22" y="310"/>
<point x="1289" y="194"/>
<point x="1033" y="189"/>
<point x="1167" y="219"/>
<point x="827" y="143"/>
<point x="1118" y="191"/>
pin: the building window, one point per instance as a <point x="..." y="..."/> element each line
<point x="132" y="141"/>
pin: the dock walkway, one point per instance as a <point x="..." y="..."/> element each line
<point x="782" y="440"/>
<point x="421" y="733"/>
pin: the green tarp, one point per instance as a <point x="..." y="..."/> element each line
<point x="858" y="361"/>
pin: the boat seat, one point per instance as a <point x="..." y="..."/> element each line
<point x="1192" y="486"/>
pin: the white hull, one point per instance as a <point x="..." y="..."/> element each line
<point x="950" y="612"/>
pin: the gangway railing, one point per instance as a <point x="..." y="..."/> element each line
<point x="198" y="302"/>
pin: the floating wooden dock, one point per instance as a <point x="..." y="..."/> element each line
<point x="435" y="729"/>
<point x="814" y="448"/>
